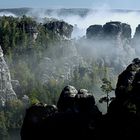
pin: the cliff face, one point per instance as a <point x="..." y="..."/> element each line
<point x="59" y="27"/>
<point x="115" y="37"/>
<point x="6" y="90"/>
<point x="136" y="40"/>
<point x="94" y="32"/>
<point x="116" y="32"/>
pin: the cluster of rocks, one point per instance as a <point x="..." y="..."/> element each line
<point x="77" y="116"/>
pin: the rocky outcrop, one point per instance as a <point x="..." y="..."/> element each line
<point x="126" y="78"/>
<point x="29" y="27"/>
<point x="66" y="99"/>
<point x="137" y="32"/>
<point x="59" y="27"/>
<point x="136" y="40"/>
<point x="110" y="30"/>
<point x="94" y="32"/>
<point x="116" y="37"/>
<point x="76" y="117"/>
<point x="124" y="110"/>
<point x="81" y="116"/>
<point x="117" y="30"/>
<point x="6" y="89"/>
<point x="37" y="122"/>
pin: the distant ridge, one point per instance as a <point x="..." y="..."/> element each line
<point x="63" y="11"/>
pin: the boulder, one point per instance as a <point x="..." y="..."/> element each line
<point x="35" y="124"/>
<point x="67" y="99"/>
<point x="84" y="101"/>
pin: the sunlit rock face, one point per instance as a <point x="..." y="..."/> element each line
<point x="6" y="89"/>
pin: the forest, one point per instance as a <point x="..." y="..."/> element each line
<point x="43" y="58"/>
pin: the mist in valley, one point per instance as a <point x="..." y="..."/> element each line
<point x="80" y="51"/>
<point x="90" y="57"/>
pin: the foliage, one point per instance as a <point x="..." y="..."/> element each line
<point x="3" y="129"/>
<point x="14" y="113"/>
<point x="106" y="88"/>
<point x="24" y="53"/>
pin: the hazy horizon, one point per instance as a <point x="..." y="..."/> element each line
<point x="95" y="4"/>
<point x="55" y="8"/>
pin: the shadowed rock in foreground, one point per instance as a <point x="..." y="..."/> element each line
<point x="76" y="115"/>
<point x="124" y="111"/>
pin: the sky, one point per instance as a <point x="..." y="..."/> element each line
<point x="109" y="4"/>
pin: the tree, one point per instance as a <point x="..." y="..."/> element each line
<point x="14" y="111"/>
<point x="106" y="88"/>
<point x="3" y="129"/>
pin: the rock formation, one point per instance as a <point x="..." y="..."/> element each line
<point x="110" y="30"/>
<point x="94" y="32"/>
<point x="80" y="118"/>
<point x="66" y="99"/>
<point x="125" y="79"/>
<point x="6" y="89"/>
<point x="123" y="115"/>
<point x="116" y="37"/>
<point x="37" y="122"/>
<point x="59" y="27"/>
<point x="136" y="40"/>
<point x="117" y="29"/>
<point x="76" y="117"/>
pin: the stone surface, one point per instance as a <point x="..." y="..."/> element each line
<point x="94" y="32"/>
<point x="59" y="27"/>
<point x="67" y="98"/>
<point x="76" y="117"/>
<point x="6" y="89"/>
